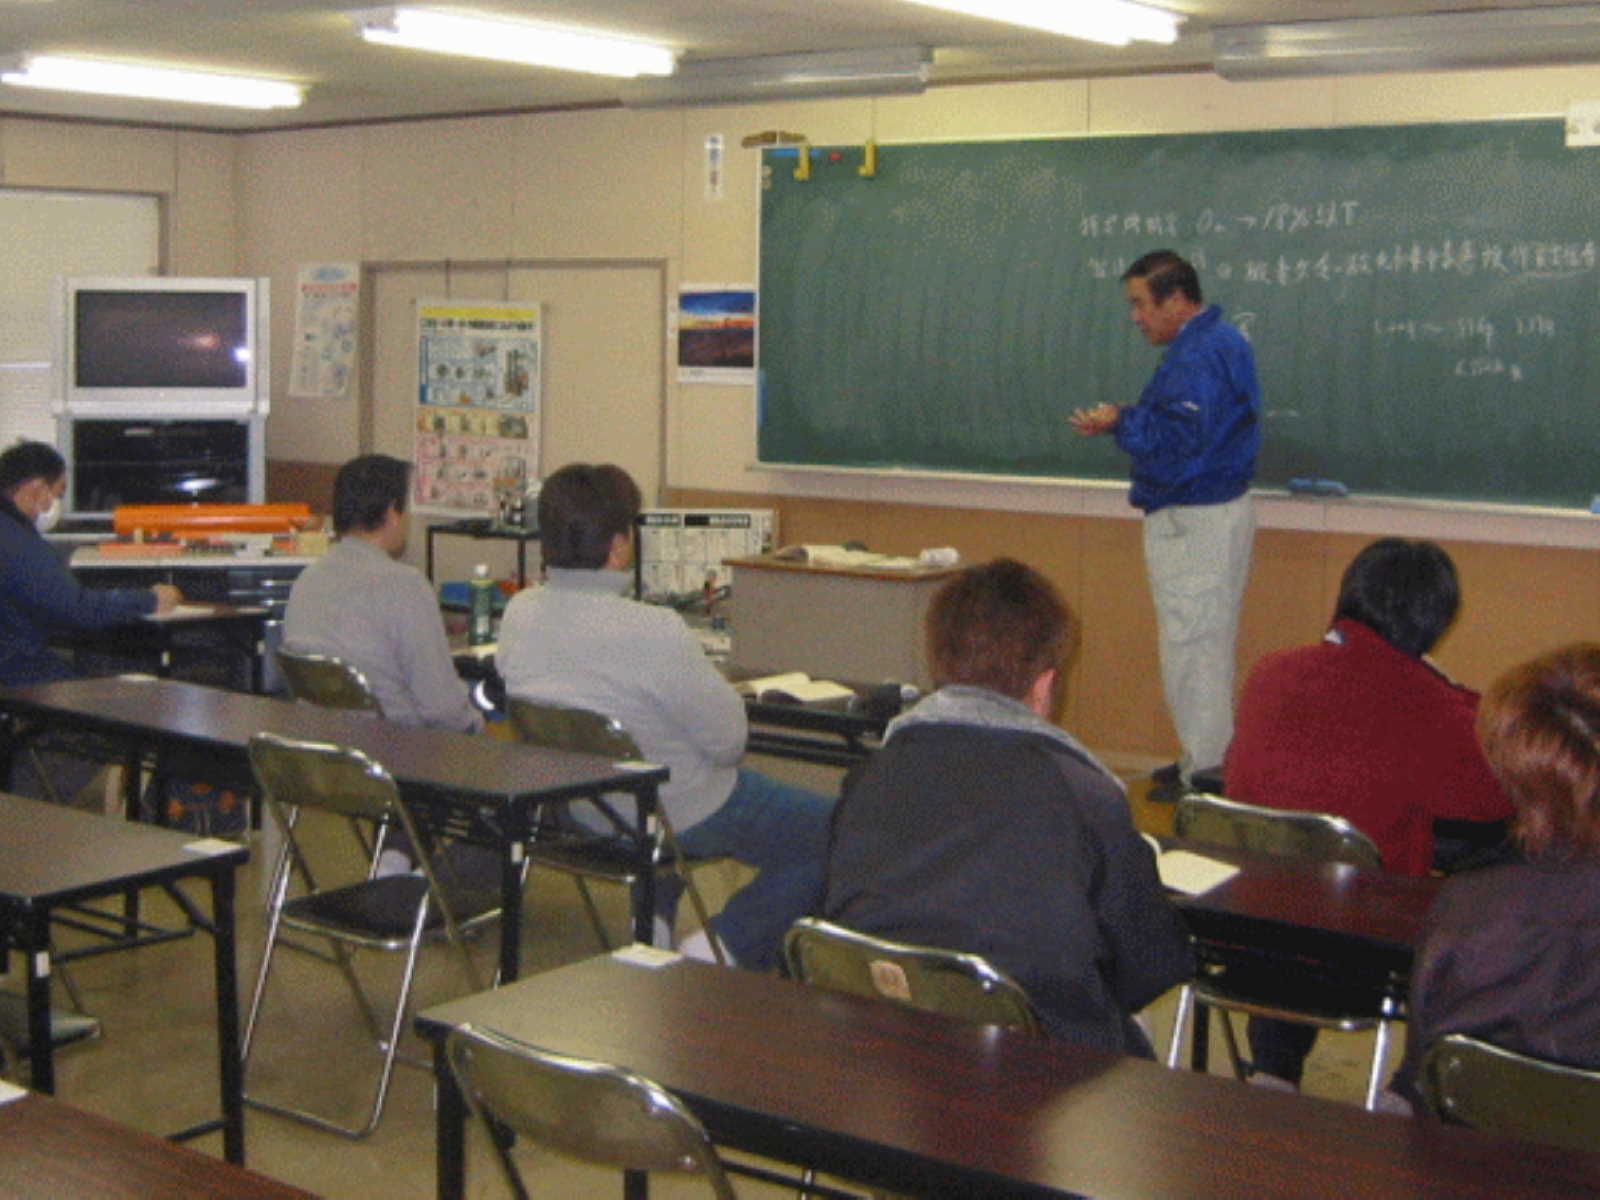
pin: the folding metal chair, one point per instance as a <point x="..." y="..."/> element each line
<point x="591" y="1111"/>
<point x="1272" y="994"/>
<point x="327" y="681"/>
<point x="942" y="981"/>
<point x="1469" y="1082"/>
<point x="561" y="844"/>
<point x="393" y="913"/>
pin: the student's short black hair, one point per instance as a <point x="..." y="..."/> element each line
<point x="1165" y="272"/>
<point x="1405" y="592"/>
<point x="364" y="489"/>
<point x="999" y="625"/>
<point x="29" y="460"/>
<point x="582" y="508"/>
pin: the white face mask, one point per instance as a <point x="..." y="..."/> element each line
<point x="46" y="521"/>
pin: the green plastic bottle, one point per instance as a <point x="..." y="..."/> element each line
<point x="481" y="629"/>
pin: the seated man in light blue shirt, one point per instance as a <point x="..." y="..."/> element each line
<point x="360" y="604"/>
<point x="379" y="615"/>
<point x="578" y="641"/>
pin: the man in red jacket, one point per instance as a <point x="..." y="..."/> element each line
<point x="1362" y="725"/>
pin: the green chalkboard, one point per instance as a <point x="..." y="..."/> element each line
<point x="1422" y="301"/>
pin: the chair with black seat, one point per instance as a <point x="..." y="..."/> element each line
<point x="328" y="681"/>
<point x="956" y="984"/>
<point x="591" y="1111"/>
<point x="611" y="854"/>
<point x="1469" y="1082"/>
<point x="66" y="1029"/>
<point x="391" y="913"/>
<point x="1201" y="817"/>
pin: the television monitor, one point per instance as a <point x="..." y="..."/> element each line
<point x="159" y="346"/>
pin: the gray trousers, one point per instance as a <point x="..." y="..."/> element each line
<point x="1198" y="558"/>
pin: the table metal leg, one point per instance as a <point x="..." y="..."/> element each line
<point x="1200" y="1039"/>
<point x="230" y="1069"/>
<point x="450" y="1160"/>
<point x="644" y="888"/>
<point x="511" y="876"/>
<point x="35" y="929"/>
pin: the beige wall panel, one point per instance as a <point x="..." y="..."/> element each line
<point x="300" y="201"/>
<point x="1462" y="95"/>
<point x="596" y="184"/>
<point x="1518" y="602"/>
<point x="203" y="214"/>
<point x="438" y="189"/>
<point x="603" y="328"/>
<point x="1203" y="103"/>
<point x="1042" y="107"/>
<point x="720" y="235"/>
<point x="1286" y="602"/>
<point x="711" y="435"/>
<point x="1118" y="703"/>
<point x="109" y="158"/>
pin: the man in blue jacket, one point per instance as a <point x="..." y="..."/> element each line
<point x="38" y="595"/>
<point x="1193" y="438"/>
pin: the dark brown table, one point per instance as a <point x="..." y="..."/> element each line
<point x="240" y="628"/>
<point x="50" y="1150"/>
<point x="1356" y="928"/>
<point x="52" y="856"/>
<point x="478" y="788"/>
<point x="920" y="1104"/>
<point x="832" y="733"/>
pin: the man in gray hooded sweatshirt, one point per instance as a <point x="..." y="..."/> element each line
<point x="983" y="827"/>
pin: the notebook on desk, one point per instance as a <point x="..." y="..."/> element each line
<point x="1187" y="872"/>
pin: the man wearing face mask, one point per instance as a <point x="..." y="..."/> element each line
<point x="38" y="595"/>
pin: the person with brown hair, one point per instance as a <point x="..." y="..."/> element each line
<point x="981" y="826"/>
<point x="579" y="641"/>
<point x="1511" y="954"/>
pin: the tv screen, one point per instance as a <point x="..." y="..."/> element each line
<point x="160" y="339"/>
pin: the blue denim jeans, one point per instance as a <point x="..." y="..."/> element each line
<point x="780" y="830"/>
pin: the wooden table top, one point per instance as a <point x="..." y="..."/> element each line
<point x="894" y="1097"/>
<point x="52" y="1151"/>
<point x="458" y="763"/>
<point x="1306" y="908"/>
<point x="50" y="854"/>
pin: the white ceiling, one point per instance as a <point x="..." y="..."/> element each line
<point x="349" y="80"/>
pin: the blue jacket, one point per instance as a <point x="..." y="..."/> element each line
<point x="39" y="597"/>
<point x="1194" y="434"/>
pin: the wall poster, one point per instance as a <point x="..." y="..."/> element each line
<point x="716" y="333"/>
<point x="326" y="296"/>
<point x="478" y="404"/>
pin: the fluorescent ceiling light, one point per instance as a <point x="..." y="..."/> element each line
<point x="512" y="41"/>
<point x="1113" y="22"/>
<point x="1430" y="42"/>
<point x="894" y="71"/>
<point x="148" y="83"/>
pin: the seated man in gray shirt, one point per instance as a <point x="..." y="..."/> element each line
<point x="360" y="604"/>
<point x="579" y="641"/>
<point x="378" y="614"/>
